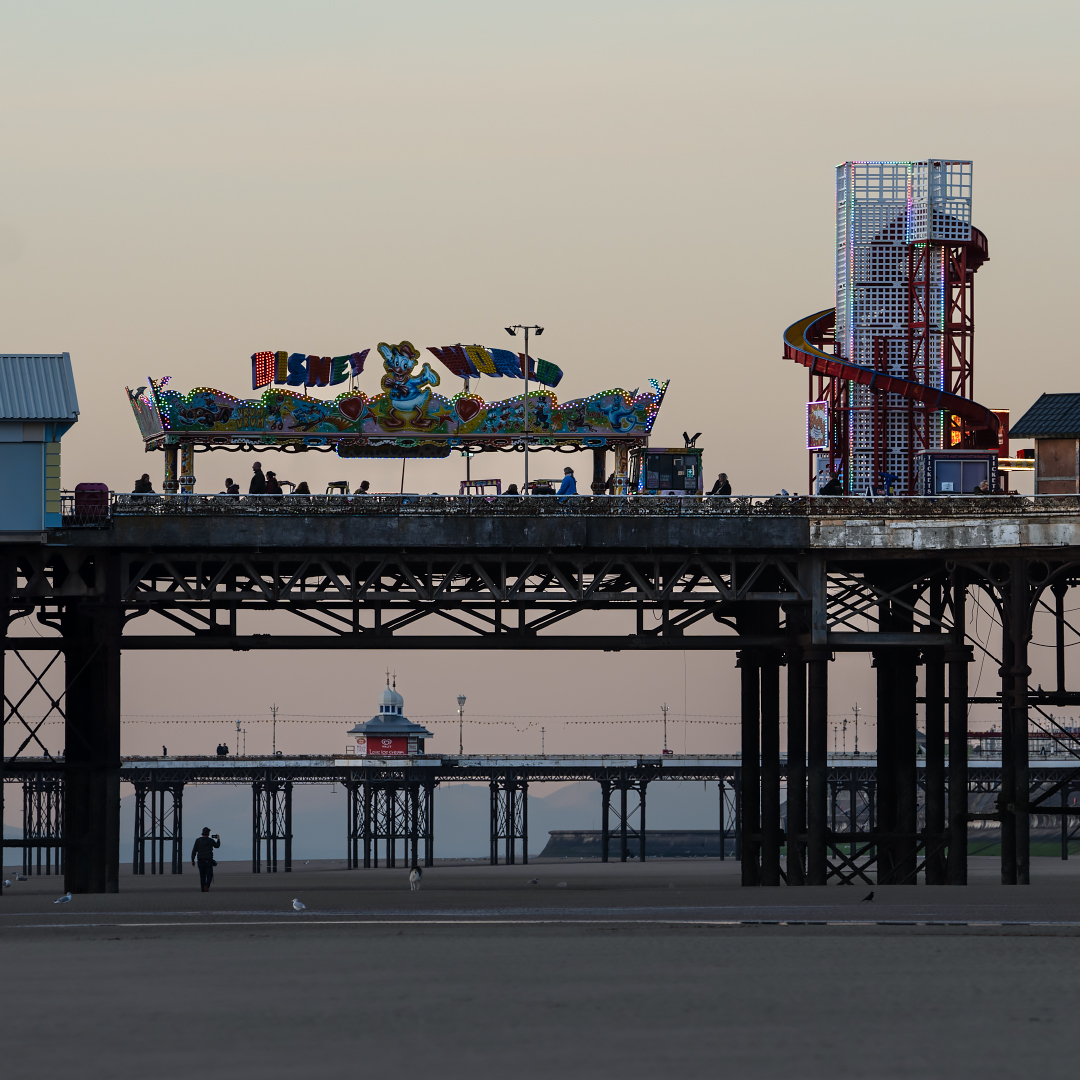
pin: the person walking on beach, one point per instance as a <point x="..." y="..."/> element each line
<point x="203" y="851"/>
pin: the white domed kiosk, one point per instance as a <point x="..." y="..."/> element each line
<point x="390" y="733"/>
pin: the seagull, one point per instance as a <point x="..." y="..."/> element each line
<point x="65" y="899"/>
<point x="297" y="906"/>
<point x="19" y="877"/>
<point x="561" y="885"/>
<point x="534" y="881"/>
<point x="868" y="896"/>
<point x="7" y="884"/>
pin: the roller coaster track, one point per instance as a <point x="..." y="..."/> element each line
<point x="799" y="347"/>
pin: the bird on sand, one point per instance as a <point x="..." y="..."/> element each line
<point x="297" y="906"/>
<point x="534" y="881"/>
<point x="7" y="884"/>
<point x="415" y="874"/>
<point x="19" y="877"/>
<point x="561" y="885"/>
<point x="65" y="899"/>
<point x="868" y="896"/>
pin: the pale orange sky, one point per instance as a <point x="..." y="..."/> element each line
<point x="652" y="182"/>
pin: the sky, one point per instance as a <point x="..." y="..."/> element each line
<point x="652" y="182"/>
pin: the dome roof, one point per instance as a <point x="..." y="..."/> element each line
<point x="390" y="697"/>
<point x="391" y="719"/>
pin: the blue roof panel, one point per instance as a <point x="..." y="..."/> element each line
<point x="37" y="386"/>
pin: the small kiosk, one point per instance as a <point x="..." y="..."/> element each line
<point x="956" y="471"/>
<point x="666" y="470"/>
<point x="390" y="734"/>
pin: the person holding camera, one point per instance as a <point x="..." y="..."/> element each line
<point x="203" y="851"/>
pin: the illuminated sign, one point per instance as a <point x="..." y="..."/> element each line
<point x="817" y="425"/>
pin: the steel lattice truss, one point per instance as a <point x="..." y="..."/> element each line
<point x="484" y="594"/>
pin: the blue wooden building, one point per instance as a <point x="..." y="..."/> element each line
<point x="37" y="406"/>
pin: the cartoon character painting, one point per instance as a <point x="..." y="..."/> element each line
<point x="406" y="393"/>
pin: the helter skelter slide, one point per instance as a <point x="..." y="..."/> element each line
<point x="892" y="408"/>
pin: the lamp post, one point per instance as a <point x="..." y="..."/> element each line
<point x="512" y="331"/>
<point x="460" y="714"/>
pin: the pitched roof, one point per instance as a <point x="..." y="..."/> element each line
<point x="37" y="387"/>
<point x="1052" y="416"/>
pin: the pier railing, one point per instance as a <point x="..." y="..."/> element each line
<point x="122" y="504"/>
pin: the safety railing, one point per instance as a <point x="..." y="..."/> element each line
<point x="120" y="504"/>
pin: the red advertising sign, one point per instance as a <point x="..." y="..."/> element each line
<point x="385" y="746"/>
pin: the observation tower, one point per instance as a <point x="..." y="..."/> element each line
<point x="892" y="364"/>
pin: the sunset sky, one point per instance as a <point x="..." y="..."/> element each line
<point x="184" y="184"/>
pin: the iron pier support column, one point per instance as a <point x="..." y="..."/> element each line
<point x="886" y="764"/>
<point x="958" y="657"/>
<point x="368" y="812"/>
<point x="605" y="810"/>
<point x="905" y="717"/>
<point x="935" y="745"/>
<point x="288" y="827"/>
<point x="429" y="823"/>
<point x="770" y="766"/>
<point x="623" y="848"/>
<point x="751" y="767"/>
<point x="1059" y="589"/>
<point x="91" y="631"/>
<point x="1020" y="632"/>
<point x="817" y="766"/>
<point x="796" y="763"/>
<point x="642" y="785"/>
<point x="1010" y="791"/>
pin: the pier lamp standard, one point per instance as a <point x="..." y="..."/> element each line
<point x="460" y="714"/>
<point x="512" y="331"/>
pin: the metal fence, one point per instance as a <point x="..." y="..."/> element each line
<point x="121" y="504"/>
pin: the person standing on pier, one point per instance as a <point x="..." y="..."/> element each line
<point x="203" y="851"/>
<point x="258" y="481"/>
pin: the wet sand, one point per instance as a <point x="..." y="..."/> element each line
<point x="665" y="969"/>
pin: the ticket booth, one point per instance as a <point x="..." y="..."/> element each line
<point x="956" y="472"/>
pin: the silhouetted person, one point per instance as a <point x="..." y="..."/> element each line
<point x="272" y="485"/>
<point x="569" y="484"/>
<point x="721" y="487"/>
<point x="258" y="481"/>
<point x="143" y="485"/>
<point x="833" y="487"/>
<point x="203" y="851"/>
<point x="231" y="488"/>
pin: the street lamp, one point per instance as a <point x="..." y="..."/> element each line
<point x="460" y="714"/>
<point x="512" y="331"/>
